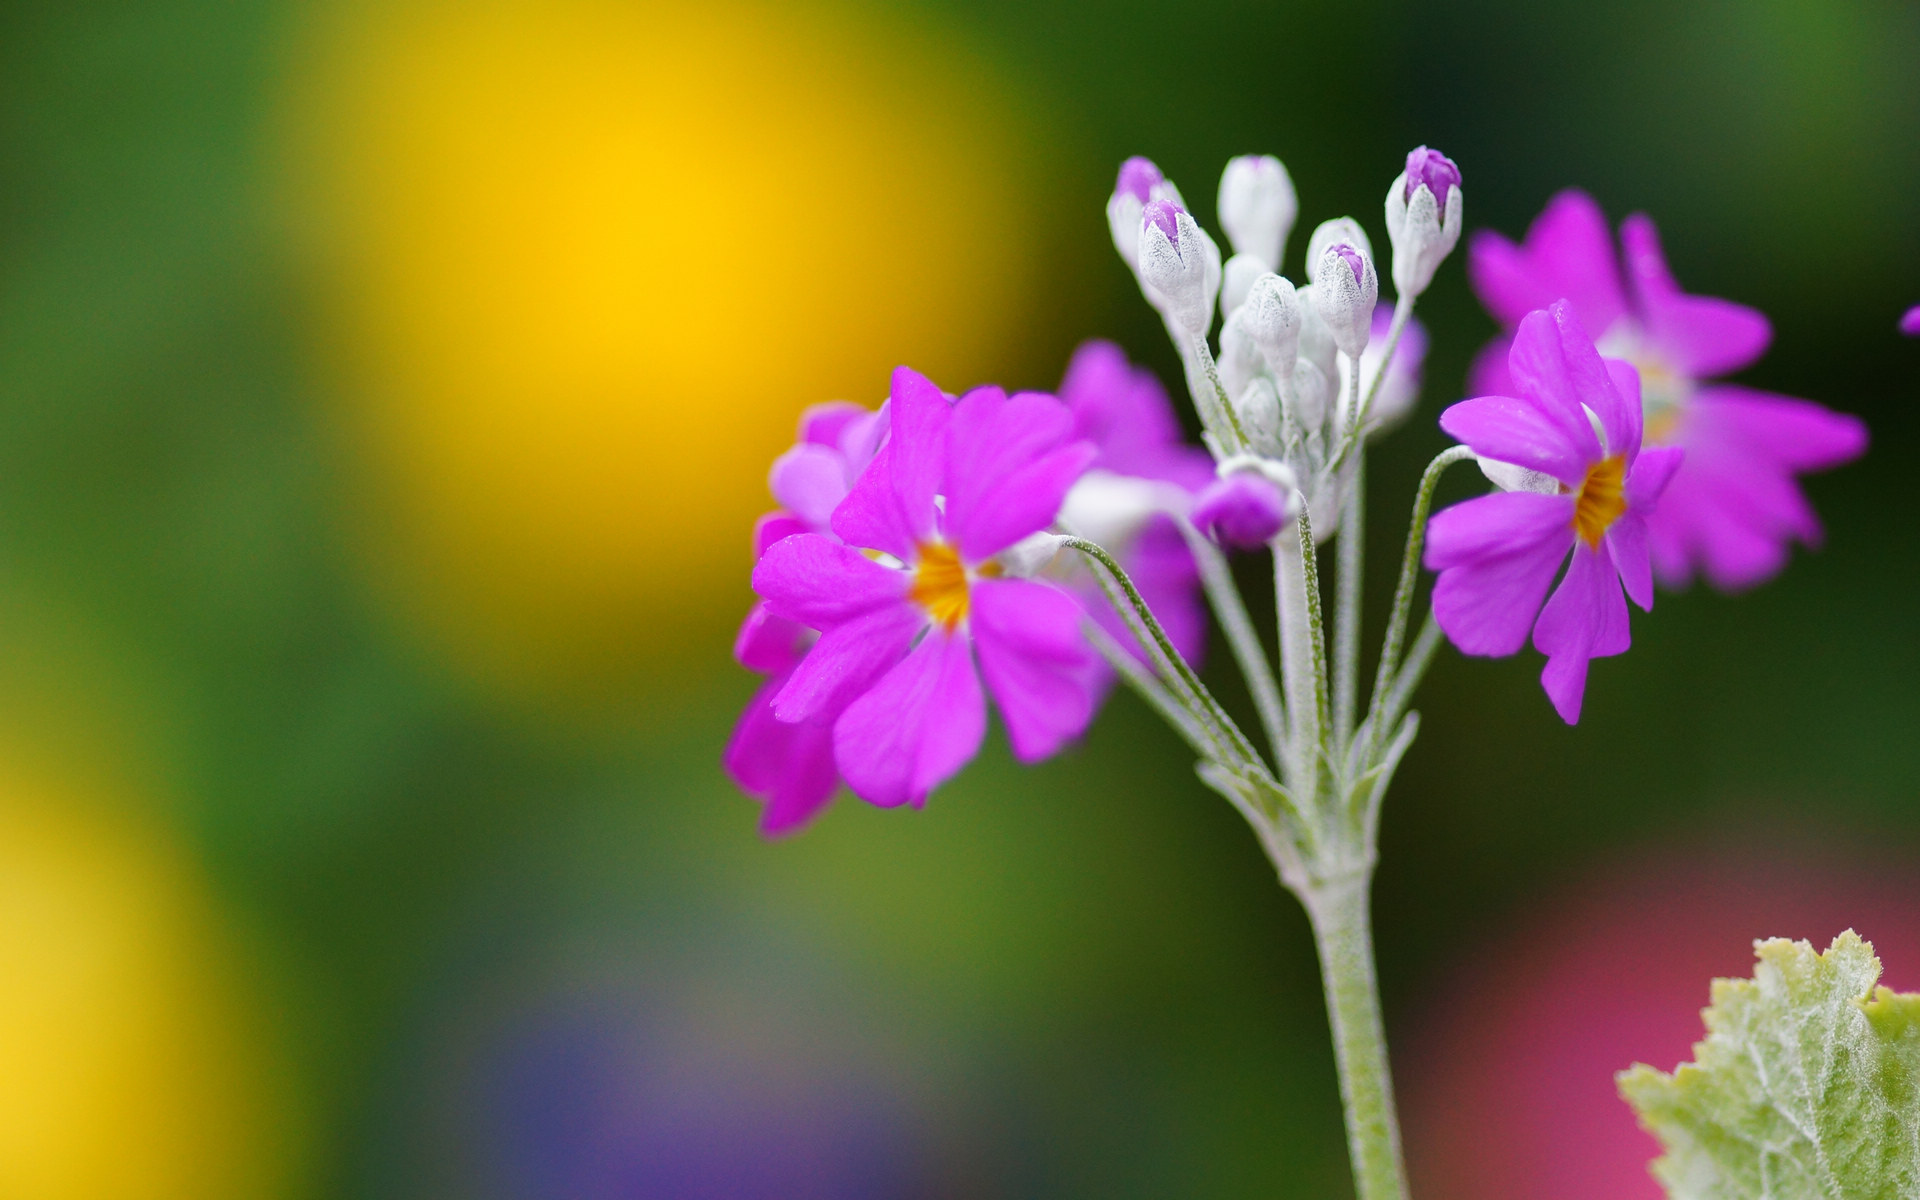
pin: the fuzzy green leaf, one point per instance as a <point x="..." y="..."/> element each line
<point x="1806" y="1088"/>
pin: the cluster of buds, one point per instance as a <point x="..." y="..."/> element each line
<point x="1300" y="374"/>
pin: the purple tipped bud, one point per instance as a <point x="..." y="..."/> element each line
<point x="1353" y="258"/>
<point x="1910" y="324"/>
<point x="1245" y="509"/>
<point x="1138" y="178"/>
<point x="1435" y="170"/>
<point x="1164" y="215"/>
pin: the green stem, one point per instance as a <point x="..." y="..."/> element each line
<point x="1140" y="619"/>
<point x="1302" y="662"/>
<point x="1403" y="594"/>
<point x="1217" y="578"/>
<point x="1342" y="931"/>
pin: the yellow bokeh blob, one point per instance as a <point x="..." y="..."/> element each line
<point x="584" y="262"/>
<point x="131" y="1067"/>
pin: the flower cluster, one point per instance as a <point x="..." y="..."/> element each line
<point x="912" y="570"/>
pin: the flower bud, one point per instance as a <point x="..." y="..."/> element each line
<point x="1248" y="505"/>
<point x="1179" y="264"/>
<point x="1258" y="207"/>
<point x="1340" y="229"/>
<point x="1424" y="214"/>
<point x="1258" y="407"/>
<point x="1312" y="393"/>
<point x="1241" y="270"/>
<point x="1139" y="184"/>
<point x="1273" y="322"/>
<point x="1316" y="337"/>
<point x="1239" y="356"/>
<point x="1345" y="291"/>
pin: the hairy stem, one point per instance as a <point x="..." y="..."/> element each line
<point x="1383" y="677"/>
<point x="1217" y="578"/>
<point x="1297" y="605"/>
<point x="1146" y="627"/>
<point x="1142" y="681"/>
<point x="1343" y="934"/>
<point x="1346" y="607"/>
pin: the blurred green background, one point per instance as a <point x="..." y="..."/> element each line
<point x="386" y="390"/>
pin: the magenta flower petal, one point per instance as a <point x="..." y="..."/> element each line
<point x="1629" y="418"/>
<point x="825" y="424"/>
<point x="1520" y="431"/>
<point x="1497" y="556"/>
<point x="810" y="481"/>
<point x="766" y="643"/>
<point x="1036" y="662"/>
<point x="1008" y="468"/>
<point x="1495" y="524"/>
<point x="1799" y="435"/>
<point x="1652" y="472"/>
<point x="1699" y="335"/>
<point x="1627" y="546"/>
<point x="773" y="527"/>
<point x="1910" y="322"/>
<point x="1586" y="618"/>
<point x="1124" y="412"/>
<point x="1568" y="254"/>
<point x="1555" y="365"/>
<point x="919" y="724"/>
<point x="846" y="661"/>
<point x="787" y="766"/>
<point x="819" y="582"/>
<point x="1488" y="375"/>
<point x="890" y="506"/>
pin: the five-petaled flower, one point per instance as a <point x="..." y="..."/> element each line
<point x="1569" y="438"/>
<point x="1735" y="506"/>
<point x="914" y="602"/>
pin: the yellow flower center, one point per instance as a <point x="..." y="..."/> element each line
<point x="1603" y="497"/>
<point x="940" y="583"/>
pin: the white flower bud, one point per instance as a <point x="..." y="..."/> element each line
<point x="1273" y="320"/>
<point x="1345" y="291"/>
<point x="1316" y="337"/>
<point x="1240" y="272"/>
<point x="1425" y="208"/>
<point x="1179" y="265"/>
<point x="1258" y="408"/>
<point x="1328" y="233"/>
<point x="1139" y="184"/>
<point x="1239" y="359"/>
<point x="1312" y="392"/>
<point x="1258" y="207"/>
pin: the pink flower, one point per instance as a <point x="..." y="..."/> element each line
<point x="1573" y="428"/>
<point x="1735" y="506"/>
<point x="1910" y="323"/>
<point x="789" y="766"/>
<point x="913" y="605"/>
<point x="1124" y="412"/>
